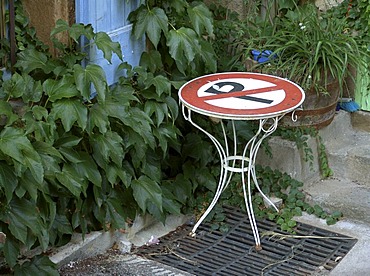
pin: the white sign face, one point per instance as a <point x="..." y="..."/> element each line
<point x="241" y="95"/>
<point x="251" y="101"/>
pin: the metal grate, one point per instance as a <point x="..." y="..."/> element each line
<point x="232" y="253"/>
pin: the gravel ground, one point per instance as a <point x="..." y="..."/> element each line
<point x="117" y="264"/>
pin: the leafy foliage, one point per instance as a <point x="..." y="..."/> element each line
<point x="73" y="161"/>
<point x="309" y="47"/>
<point x="356" y="14"/>
<point x="181" y="32"/>
<point x="300" y="136"/>
<point x="280" y="185"/>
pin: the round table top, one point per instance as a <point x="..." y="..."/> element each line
<point x="241" y="95"/>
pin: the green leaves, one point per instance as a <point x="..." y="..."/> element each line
<point x="31" y="59"/>
<point x="11" y="251"/>
<point x="109" y="147"/>
<point x="70" y="111"/>
<point x="88" y="169"/>
<point x="183" y="43"/>
<point x="39" y="265"/>
<point x="23" y="86"/>
<point x="145" y="191"/>
<point x="8" y="180"/>
<point x="102" y="40"/>
<point x="98" y="117"/>
<point x="76" y="154"/>
<point x="91" y="76"/>
<point x="201" y="18"/>
<point x="59" y="89"/>
<point x="151" y="60"/>
<point x="161" y="84"/>
<point x="74" y="32"/>
<point x="151" y="22"/>
<point x="190" y="25"/>
<point x="71" y="180"/>
<point x="107" y="46"/>
<point x="7" y="114"/>
<point x="14" y="144"/>
<point x="21" y="216"/>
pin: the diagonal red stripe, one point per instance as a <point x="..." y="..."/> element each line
<point x="242" y="93"/>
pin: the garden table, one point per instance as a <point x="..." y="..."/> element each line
<point x="240" y="96"/>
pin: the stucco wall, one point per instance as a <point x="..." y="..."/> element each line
<point x="44" y="13"/>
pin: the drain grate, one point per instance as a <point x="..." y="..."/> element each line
<point x="232" y="253"/>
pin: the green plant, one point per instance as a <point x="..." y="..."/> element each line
<point x="73" y="162"/>
<point x="179" y="32"/>
<point x="310" y="48"/>
<point x="228" y="29"/>
<point x="62" y="153"/>
<point x="279" y="185"/>
<point x="356" y="14"/>
<point x="300" y="136"/>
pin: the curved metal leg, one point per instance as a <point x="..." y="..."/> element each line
<point x="253" y="146"/>
<point x="224" y="176"/>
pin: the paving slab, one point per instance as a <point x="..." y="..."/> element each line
<point x="351" y="198"/>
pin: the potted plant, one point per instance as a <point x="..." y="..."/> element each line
<point x="315" y="50"/>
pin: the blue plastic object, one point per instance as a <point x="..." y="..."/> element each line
<point x="349" y="106"/>
<point x="262" y="56"/>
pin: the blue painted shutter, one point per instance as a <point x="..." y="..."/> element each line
<point x="110" y="16"/>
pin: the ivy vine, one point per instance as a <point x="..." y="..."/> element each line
<point x="274" y="183"/>
<point x="300" y="136"/>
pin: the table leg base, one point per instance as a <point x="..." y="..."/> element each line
<point x="258" y="247"/>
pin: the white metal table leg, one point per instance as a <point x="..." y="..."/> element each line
<point x="252" y="147"/>
<point x="250" y="150"/>
<point x="224" y="179"/>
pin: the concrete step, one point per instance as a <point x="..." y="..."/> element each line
<point x="347" y="142"/>
<point x="360" y="120"/>
<point x="348" y="148"/>
<point x="351" y="198"/>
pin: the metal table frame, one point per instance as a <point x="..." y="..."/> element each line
<point x="235" y="161"/>
<point x="228" y="160"/>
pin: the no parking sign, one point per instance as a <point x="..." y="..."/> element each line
<point x="241" y="95"/>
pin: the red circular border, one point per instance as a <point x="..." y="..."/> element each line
<point x="188" y="94"/>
